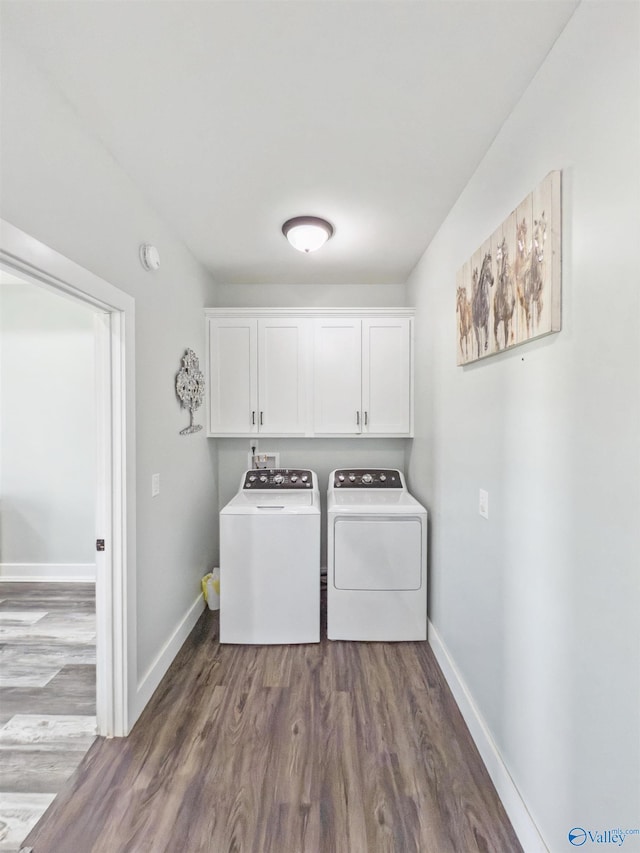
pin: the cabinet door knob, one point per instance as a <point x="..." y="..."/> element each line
<point x="366" y="418"/>
<point x="253" y="417"/>
<point x="261" y="413"/>
<point x="358" y="418"/>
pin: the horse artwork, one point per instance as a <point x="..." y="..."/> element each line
<point x="481" y="304"/>
<point x="465" y="325"/>
<point x="537" y="275"/>
<point x="504" y="299"/>
<point x="523" y="260"/>
<point x="522" y="266"/>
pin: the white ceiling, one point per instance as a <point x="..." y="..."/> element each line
<point x="233" y="116"/>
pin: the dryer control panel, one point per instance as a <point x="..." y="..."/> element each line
<point x="367" y="478"/>
<point x="278" y="478"/>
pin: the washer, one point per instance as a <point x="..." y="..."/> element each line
<point x="376" y="557"/>
<point x="270" y="559"/>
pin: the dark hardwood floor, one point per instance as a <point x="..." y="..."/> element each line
<point x="331" y="748"/>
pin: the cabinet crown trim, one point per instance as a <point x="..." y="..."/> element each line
<point x="310" y="312"/>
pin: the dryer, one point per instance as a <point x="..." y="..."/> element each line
<point x="270" y="559"/>
<point x="376" y="557"/>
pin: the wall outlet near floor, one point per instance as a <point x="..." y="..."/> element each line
<point x="155" y="485"/>
<point x="483" y="504"/>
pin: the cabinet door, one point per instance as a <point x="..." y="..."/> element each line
<point x="386" y="376"/>
<point x="282" y="363"/>
<point x="338" y="376"/>
<point x="233" y="386"/>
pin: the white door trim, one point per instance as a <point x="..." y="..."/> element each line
<point x="115" y="583"/>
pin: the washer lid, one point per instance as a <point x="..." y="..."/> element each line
<point x="288" y="502"/>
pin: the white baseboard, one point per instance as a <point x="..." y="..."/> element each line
<point x="514" y="805"/>
<point x="52" y="572"/>
<point x="155" y="673"/>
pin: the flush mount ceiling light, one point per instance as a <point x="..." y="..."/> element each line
<point x="307" y="233"/>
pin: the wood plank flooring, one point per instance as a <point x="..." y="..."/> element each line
<point x="47" y="697"/>
<point x="330" y="748"/>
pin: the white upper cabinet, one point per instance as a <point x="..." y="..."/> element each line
<point x="310" y="372"/>
<point x="362" y="376"/>
<point x="386" y="376"/>
<point x="232" y="361"/>
<point x="282" y="368"/>
<point x="257" y="371"/>
<point x="337" y="363"/>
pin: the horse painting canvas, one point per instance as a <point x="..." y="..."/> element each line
<point x="481" y="298"/>
<point x="505" y="315"/>
<point x="463" y="314"/>
<point x="509" y="291"/>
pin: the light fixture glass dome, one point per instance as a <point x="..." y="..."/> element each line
<point x="307" y="233"/>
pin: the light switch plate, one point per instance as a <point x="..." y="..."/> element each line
<point x="155" y="485"/>
<point x="483" y="504"/>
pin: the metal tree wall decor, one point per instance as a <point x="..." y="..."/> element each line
<point x="190" y="388"/>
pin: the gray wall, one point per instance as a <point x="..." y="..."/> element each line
<point x="539" y="606"/>
<point x="310" y="296"/>
<point x="47" y="429"/>
<point x="62" y="187"/>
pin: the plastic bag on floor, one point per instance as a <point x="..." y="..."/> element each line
<point x="211" y="589"/>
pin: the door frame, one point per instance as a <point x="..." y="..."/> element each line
<point x="114" y="325"/>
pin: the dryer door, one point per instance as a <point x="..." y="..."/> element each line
<point x="377" y="552"/>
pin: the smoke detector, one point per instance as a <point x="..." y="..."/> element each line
<point x="149" y="257"/>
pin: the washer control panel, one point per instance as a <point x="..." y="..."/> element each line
<point x="278" y="478"/>
<point x="367" y="478"/>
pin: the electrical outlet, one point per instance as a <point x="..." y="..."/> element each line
<point x="265" y="460"/>
<point x="483" y="504"/>
<point x="261" y="459"/>
<point x="155" y="485"/>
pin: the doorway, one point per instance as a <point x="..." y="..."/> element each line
<point x="47" y="527"/>
<point x="29" y="260"/>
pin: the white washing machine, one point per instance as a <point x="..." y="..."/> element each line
<point x="376" y="557"/>
<point x="270" y="559"/>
